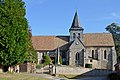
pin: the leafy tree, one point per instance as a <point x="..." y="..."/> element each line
<point x="14" y="33"/>
<point x="46" y="59"/>
<point x="115" y="30"/>
<point x="32" y="51"/>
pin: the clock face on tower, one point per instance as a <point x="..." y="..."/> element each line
<point x="76" y="43"/>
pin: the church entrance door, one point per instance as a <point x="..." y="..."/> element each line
<point x="79" y="58"/>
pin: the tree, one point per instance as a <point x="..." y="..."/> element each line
<point x="14" y="33"/>
<point x="115" y="30"/>
<point x="32" y="51"/>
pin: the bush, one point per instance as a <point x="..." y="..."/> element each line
<point x="114" y="76"/>
<point x="88" y="65"/>
<point x="60" y="59"/>
<point x="46" y="60"/>
<point x="38" y="66"/>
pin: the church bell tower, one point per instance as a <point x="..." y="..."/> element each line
<point x="76" y="31"/>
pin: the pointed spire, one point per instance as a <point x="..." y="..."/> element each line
<point x="76" y="23"/>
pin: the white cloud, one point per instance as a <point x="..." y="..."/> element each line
<point x="115" y="15"/>
<point x="100" y="18"/>
<point x="111" y="16"/>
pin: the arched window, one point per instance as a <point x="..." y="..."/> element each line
<point x="74" y="35"/>
<point x="105" y="54"/>
<point x="78" y="35"/>
<point x="96" y="54"/>
<point x="77" y="56"/>
<point x="92" y="53"/>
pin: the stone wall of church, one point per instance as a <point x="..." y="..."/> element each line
<point x="73" y="50"/>
<point x="102" y="62"/>
<point x="71" y="58"/>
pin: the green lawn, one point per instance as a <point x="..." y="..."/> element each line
<point x="20" y="76"/>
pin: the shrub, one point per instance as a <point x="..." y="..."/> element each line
<point x="60" y="59"/>
<point x="46" y="60"/>
<point x="38" y="66"/>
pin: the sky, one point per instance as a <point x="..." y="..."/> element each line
<point x="54" y="17"/>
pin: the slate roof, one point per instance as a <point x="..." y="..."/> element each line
<point x="76" y="23"/>
<point x="52" y="42"/>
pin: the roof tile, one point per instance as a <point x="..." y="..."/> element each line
<point x="89" y="39"/>
<point x="98" y="39"/>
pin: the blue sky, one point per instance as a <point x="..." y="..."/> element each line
<point x="54" y="17"/>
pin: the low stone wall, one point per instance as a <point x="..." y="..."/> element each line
<point x="81" y="71"/>
<point x="27" y="67"/>
<point x="23" y="67"/>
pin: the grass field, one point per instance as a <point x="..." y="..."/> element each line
<point x="20" y="76"/>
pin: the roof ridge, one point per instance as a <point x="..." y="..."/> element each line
<point x="97" y="33"/>
<point x="52" y="36"/>
<point x="43" y="36"/>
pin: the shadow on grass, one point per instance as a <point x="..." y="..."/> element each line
<point x="92" y="73"/>
<point x="73" y="76"/>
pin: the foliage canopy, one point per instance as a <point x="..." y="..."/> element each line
<point x="115" y="30"/>
<point x="14" y="33"/>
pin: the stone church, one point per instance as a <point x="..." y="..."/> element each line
<point x="79" y="48"/>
